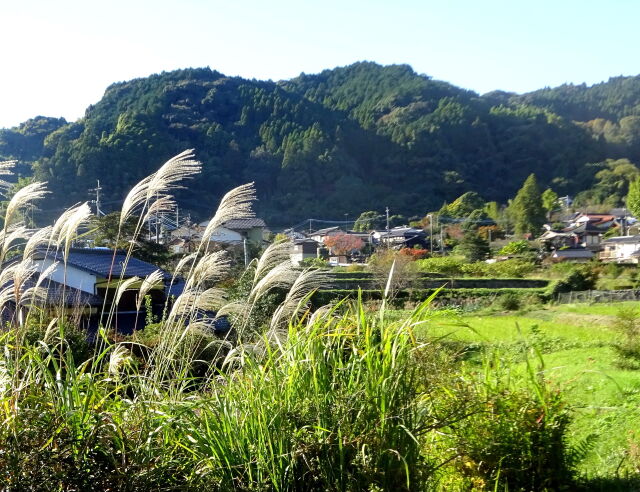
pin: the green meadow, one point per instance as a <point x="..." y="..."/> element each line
<point x="576" y="344"/>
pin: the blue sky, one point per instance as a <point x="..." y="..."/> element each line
<point x="58" y="57"/>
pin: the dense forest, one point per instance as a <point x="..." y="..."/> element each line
<point x="345" y="140"/>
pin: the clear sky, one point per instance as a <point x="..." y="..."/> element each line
<point x="59" y="56"/>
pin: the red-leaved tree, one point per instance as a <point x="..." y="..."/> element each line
<point x="342" y="244"/>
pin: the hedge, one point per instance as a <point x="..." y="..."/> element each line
<point x="323" y="297"/>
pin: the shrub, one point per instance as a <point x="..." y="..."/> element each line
<point x="508" y="302"/>
<point x="447" y="265"/>
<point x="513" y="268"/>
<point x="314" y="263"/>
<point x="628" y="347"/>
<point x="516" y="439"/>
<point x="477" y="269"/>
<point x="414" y="253"/>
<point x="403" y="274"/>
<point x="354" y="268"/>
<point x="515" y="248"/>
<point x="580" y="277"/>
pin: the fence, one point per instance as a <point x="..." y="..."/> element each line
<point x="599" y="296"/>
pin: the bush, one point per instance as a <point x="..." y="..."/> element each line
<point x="508" y="302"/>
<point x="447" y="265"/>
<point x="515" y="248"/>
<point x="477" y="269"/>
<point x="414" y="253"/>
<point x="516" y="440"/>
<point x="580" y="277"/>
<point x="314" y="263"/>
<point x="628" y="347"/>
<point x="514" y="268"/>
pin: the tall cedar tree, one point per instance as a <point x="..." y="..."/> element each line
<point x="526" y="208"/>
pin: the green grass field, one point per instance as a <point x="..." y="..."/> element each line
<point x="577" y="345"/>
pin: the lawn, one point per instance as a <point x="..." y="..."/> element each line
<point x="579" y="359"/>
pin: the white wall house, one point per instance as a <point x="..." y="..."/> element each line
<point x="73" y="277"/>
<point x="224" y="235"/>
<point x="621" y="249"/>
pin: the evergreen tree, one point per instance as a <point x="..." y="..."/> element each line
<point x="526" y="209"/>
<point x="633" y="198"/>
<point x="474" y="247"/>
<point x="368" y="221"/>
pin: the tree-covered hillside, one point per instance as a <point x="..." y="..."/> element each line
<point x="342" y="141"/>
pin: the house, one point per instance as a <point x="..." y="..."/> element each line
<point x="321" y="234"/>
<point x="572" y="255"/>
<point x="235" y="231"/>
<point x="250" y="229"/>
<point x="588" y="229"/>
<point x="621" y="249"/>
<point x="187" y="232"/>
<point x="553" y="240"/>
<point x="401" y="237"/>
<point x="87" y="280"/>
<point x="303" y="249"/>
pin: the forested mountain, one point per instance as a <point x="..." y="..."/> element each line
<point x="342" y="141"/>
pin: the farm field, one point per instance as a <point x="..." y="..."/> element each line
<point x="576" y="342"/>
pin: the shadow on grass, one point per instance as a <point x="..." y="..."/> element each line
<point x="610" y="484"/>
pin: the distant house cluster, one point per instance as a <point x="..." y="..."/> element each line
<point x="340" y="246"/>
<point x="581" y="236"/>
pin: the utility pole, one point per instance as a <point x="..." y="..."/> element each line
<point x="387" y="210"/>
<point x="346" y="222"/>
<point x="97" y="200"/>
<point x="441" y="240"/>
<point x="310" y="225"/>
<point x="430" y="233"/>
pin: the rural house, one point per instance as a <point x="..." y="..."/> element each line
<point x="88" y="280"/>
<point x="621" y="249"/>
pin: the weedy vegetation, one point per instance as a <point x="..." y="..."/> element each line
<point x="341" y="397"/>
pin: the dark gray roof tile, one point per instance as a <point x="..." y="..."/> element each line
<point x="103" y="262"/>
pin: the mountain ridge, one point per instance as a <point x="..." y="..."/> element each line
<point x="344" y="140"/>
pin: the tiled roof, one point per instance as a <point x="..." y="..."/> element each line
<point x="622" y="239"/>
<point x="243" y="224"/>
<point x="573" y="253"/>
<point x="102" y="262"/>
<point x="321" y="232"/>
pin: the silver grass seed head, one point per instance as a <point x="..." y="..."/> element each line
<point x="275" y="254"/>
<point x="211" y="267"/>
<point x="39" y="238"/>
<point x="236" y="204"/>
<point x="80" y="215"/>
<point x="124" y="286"/>
<point x="148" y="283"/>
<point x="158" y="184"/>
<point x="22" y="197"/>
<point x="15" y="232"/>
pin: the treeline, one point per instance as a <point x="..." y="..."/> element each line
<point x="341" y="141"/>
